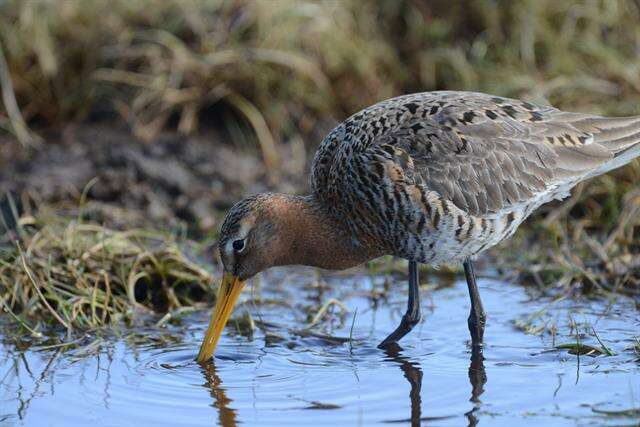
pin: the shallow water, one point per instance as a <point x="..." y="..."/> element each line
<point x="283" y="376"/>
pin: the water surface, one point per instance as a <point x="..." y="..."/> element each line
<point x="283" y="374"/>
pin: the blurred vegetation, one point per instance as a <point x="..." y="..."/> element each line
<point x="286" y="65"/>
<point x="588" y="244"/>
<point x="290" y="70"/>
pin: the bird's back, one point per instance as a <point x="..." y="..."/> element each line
<point x="441" y="176"/>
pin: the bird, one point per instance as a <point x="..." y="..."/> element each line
<point x="434" y="177"/>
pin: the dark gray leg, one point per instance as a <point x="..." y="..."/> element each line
<point x="477" y="317"/>
<point x="412" y="316"/>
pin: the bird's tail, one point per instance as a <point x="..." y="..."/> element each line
<point x="620" y="136"/>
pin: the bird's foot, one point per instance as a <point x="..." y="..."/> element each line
<point x="406" y="325"/>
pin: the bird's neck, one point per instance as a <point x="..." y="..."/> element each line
<point x="311" y="236"/>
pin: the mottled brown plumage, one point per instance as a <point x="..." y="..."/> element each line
<point x="442" y="176"/>
<point x="431" y="177"/>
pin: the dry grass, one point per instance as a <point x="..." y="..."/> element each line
<point x="588" y="243"/>
<point x="81" y="275"/>
<point x="284" y="66"/>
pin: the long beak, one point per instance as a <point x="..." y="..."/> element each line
<point x="228" y="294"/>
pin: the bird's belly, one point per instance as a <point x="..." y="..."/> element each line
<point x="455" y="240"/>
<point x="448" y="245"/>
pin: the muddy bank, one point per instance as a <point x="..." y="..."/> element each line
<point x="170" y="180"/>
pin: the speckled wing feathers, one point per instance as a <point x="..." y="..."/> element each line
<point x="487" y="153"/>
<point x="467" y="155"/>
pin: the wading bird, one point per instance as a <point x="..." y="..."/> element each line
<point x="436" y="177"/>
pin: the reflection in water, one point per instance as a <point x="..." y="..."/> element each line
<point x="413" y="374"/>
<point x="39" y="381"/>
<point x="148" y="377"/>
<point x="477" y="378"/>
<point x="227" y="415"/>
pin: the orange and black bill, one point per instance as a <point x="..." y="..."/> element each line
<point x="228" y="294"/>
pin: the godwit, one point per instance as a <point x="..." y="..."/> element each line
<point x="431" y="177"/>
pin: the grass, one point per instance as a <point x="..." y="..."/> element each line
<point x="286" y="66"/>
<point x="75" y="275"/>
<point x="579" y="348"/>
<point x="589" y="243"/>
<point x="547" y="321"/>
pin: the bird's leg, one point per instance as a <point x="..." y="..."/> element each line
<point x="477" y="317"/>
<point x="412" y="316"/>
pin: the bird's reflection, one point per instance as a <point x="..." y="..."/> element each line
<point x="411" y="370"/>
<point x="413" y="374"/>
<point x="477" y="378"/>
<point x="227" y="415"/>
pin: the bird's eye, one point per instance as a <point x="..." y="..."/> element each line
<point x="238" y="245"/>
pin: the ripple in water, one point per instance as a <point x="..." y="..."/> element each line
<point x="305" y="380"/>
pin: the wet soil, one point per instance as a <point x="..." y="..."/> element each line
<point x="172" y="179"/>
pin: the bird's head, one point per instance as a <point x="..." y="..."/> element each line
<point x="254" y="236"/>
<point x="272" y="229"/>
<point x="251" y="237"/>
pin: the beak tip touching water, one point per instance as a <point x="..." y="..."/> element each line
<point x="228" y="294"/>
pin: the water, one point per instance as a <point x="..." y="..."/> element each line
<point x="282" y="376"/>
